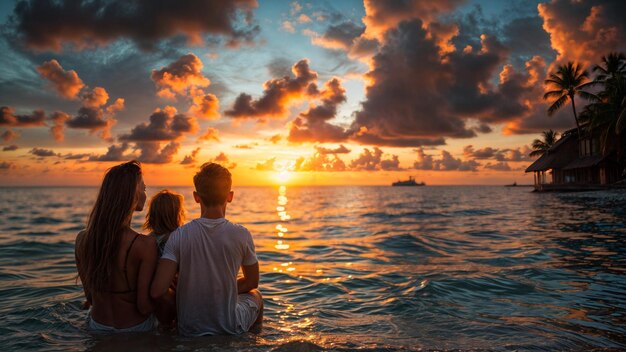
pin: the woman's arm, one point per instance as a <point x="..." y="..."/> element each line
<point x="81" y="274"/>
<point x="147" y="265"/>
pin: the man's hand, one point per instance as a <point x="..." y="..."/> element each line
<point x="250" y="279"/>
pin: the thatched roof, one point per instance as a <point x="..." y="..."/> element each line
<point x="587" y="161"/>
<point x="556" y="157"/>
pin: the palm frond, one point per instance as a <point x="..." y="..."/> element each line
<point x="553" y="94"/>
<point x="558" y="104"/>
<point x="588" y="96"/>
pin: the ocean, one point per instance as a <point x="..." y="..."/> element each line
<point x="367" y="268"/>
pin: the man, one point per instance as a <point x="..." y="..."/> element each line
<point x="207" y="254"/>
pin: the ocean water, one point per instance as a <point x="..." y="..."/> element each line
<point x="368" y="268"/>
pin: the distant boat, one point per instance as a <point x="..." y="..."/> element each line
<point x="514" y="184"/>
<point x="409" y="182"/>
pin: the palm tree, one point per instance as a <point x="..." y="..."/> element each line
<point x="540" y="147"/>
<point x="611" y="70"/>
<point x="568" y="81"/>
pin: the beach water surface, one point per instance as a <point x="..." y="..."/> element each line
<point x="369" y="268"/>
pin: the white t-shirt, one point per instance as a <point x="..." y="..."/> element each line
<point x="209" y="253"/>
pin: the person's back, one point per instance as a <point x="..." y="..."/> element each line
<point x="207" y="254"/>
<point x="115" y="263"/>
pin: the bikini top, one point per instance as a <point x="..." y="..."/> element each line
<point x="126" y="269"/>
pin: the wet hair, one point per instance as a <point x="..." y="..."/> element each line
<point x="213" y="183"/>
<point x="112" y="212"/>
<point x="166" y="213"/>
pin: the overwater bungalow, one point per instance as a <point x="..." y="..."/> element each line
<point x="576" y="164"/>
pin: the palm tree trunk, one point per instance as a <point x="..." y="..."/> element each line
<point x="571" y="97"/>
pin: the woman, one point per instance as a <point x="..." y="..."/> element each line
<point x="115" y="263"/>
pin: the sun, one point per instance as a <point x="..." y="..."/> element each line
<point x="282" y="176"/>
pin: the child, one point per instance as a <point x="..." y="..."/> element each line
<point x="165" y="215"/>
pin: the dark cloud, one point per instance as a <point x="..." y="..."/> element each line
<point x="191" y="158"/>
<point x="71" y="156"/>
<point x="114" y="153"/>
<point x="43" y="153"/>
<point x="92" y="119"/>
<point x="341" y="149"/>
<point x="480" y="154"/>
<point x="223" y="160"/>
<point x="10" y="148"/>
<point x="7" y="165"/>
<point x="312" y="125"/>
<point x="153" y="153"/>
<point x="499" y="166"/>
<point x="8" y="118"/>
<point x="278" y="93"/>
<point x="338" y="36"/>
<point x="46" y="24"/>
<point x="526" y="38"/>
<point x="445" y="163"/>
<point x="66" y="83"/>
<point x="279" y="67"/>
<point x="165" y="125"/>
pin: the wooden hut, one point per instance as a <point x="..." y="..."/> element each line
<point x="573" y="164"/>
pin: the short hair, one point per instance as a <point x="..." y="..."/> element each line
<point x="213" y="183"/>
<point x="166" y="213"/>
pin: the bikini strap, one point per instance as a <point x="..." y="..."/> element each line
<point x="126" y="262"/>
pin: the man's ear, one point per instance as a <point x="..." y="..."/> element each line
<point x="196" y="197"/>
<point x="230" y="196"/>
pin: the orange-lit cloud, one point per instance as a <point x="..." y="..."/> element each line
<point x="179" y="76"/>
<point x="58" y="122"/>
<point x="277" y="94"/>
<point x="9" y="135"/>
<point x="211" y="134"/>
<point x="66" y="83"/>
<point x="9" y="118"/>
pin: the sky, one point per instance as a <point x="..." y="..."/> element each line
<point x="288" y="92"/>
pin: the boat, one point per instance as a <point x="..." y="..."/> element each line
<point x="409" y="182"/>
<point x="514" y="184"/>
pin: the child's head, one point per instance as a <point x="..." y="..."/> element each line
<point x="166" y="213"/>
<point x="213" y="183"/>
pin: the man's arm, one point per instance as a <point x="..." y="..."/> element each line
<point x="166" y="270"/>
<point x="250" y="279"/>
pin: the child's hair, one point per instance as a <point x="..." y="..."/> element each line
<point x="213" y="183"/>
<point x="166" y="213"/>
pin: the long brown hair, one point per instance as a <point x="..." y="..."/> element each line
<point x="113" y="210"/>
<point x="166" y="213"/>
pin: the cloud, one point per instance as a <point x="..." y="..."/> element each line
<point x="223" y="160"/>
<point x="320" y="162"/>
<point x="312" y="125"/>
<point x="499" y="166"/>
<point x="246" y="146"/>
<point x="191" y="158"/>
<point x="337" y="36"/>
<point x="179" y="76"/>
<point x="71" y="156"/>
<point x="211" y="134"/>
<point x="58" y="120"/>
<point x="94" y="120"/>
<point x="44" y="24"/>
<point x="275" y="138"/>
<point x="205" y="106"/>
<point x="341" y="149"/>
<point x="267" y="165"/>
<point x="95" y="98"/>
<point x="66" y="83"/>
<point x="446" y="163"/>
<point x="381" y="16"/>
<point x="165" y="125"/>
<point x="484" y="153"/>
<point x="583" y="31"/>
<point x="9" y="136"/>
<point x="152" y="153"/>
<point x="8" y="118"/>
<point x="278" y="93"/>
<point x="114" y="153"/>
<point x="7" y="165"/>
<point x="10" y="148"/>
<point x="372" y="160"/>
<point x="43" y="153"/>
<point x="288" y="27"/>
